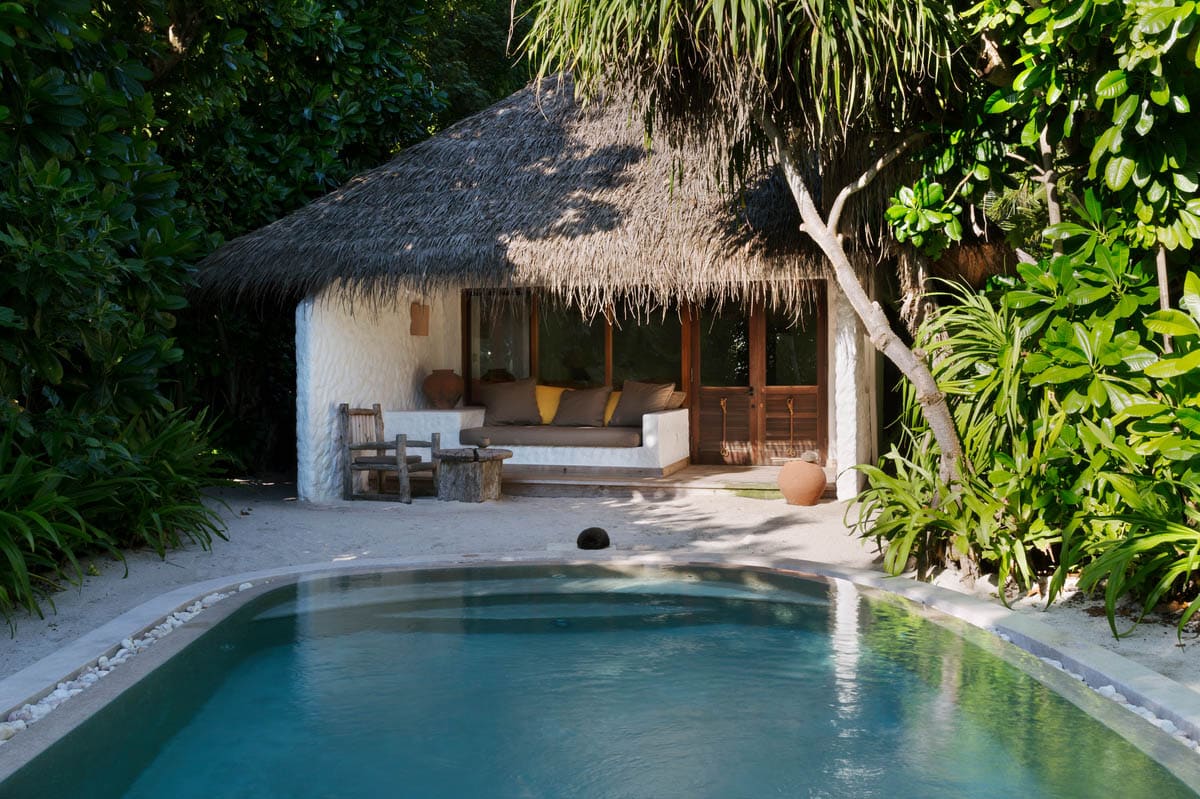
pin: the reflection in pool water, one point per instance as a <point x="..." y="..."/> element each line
<point x="578" y="682"/>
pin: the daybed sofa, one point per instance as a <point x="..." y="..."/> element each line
<point x="548" y="426"/>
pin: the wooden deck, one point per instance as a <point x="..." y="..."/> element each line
<point x="748" y="481"/>
<point x="759" y="482"/>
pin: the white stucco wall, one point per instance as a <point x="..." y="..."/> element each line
<point x="853" y="426"/>
<point x="361" y="356"/>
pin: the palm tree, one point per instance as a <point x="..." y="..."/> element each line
<point x="813" y="84"/>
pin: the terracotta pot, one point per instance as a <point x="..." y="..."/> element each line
<point x="801" y="482"/>
<point x="443" y="388"/>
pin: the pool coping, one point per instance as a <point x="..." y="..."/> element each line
<point x="1097" y="667"/>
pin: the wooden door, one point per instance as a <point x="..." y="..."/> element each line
<point x="723" y="407"/>
<point x="757" y="385"/>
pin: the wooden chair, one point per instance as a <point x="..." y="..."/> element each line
<point x="366" y="451"/>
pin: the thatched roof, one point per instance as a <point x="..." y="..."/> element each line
<point x="534" y="191"/>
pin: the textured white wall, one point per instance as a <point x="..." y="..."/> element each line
<point x="852" y="394"/>
<point x="361" y="356"/>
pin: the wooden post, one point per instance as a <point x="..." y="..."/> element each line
<point x="347" y="455"/>
<point x="402" y="469"/>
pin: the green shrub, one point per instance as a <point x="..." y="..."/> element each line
<point x="40" y="529"/>
<point x="1081" y="434"/>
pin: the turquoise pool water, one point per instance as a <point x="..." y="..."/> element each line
<point x="582" y="683"/>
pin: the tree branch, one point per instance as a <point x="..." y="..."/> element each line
<point x="865" y="178"/>
<point x="1025" y="257"/>
<point x="1041" y="173"/>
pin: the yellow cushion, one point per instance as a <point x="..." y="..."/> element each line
<point x="613" y="399"/>
<point x="547" y="400"/>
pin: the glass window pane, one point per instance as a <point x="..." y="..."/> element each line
<point x="570" y="348"/>
<point x="724" y="347"/>
<point x="791" y="350"/>
<point x="648" y="351"/>
<point x="499" y="336"/>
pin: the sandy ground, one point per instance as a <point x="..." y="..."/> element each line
<point x="267" y="529"/>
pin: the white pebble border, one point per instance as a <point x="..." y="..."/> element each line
<point x="28" y="714"/>
<point x="1111" y="693"/>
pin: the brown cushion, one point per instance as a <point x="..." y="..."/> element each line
<point x="548" y="435"/>
<point x="510" y="403"/>
<point x="638" y="399"/>
<point x="676" y="401"/>
<point x="583" y="407"/>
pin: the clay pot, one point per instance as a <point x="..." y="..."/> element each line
<point x="443" y="388"/>
<point x="801" y="482"/>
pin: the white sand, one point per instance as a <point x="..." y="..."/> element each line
<point x="267" y="530"/>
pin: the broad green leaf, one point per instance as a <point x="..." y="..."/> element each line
<point x="1141" y="410"/>
<point x="1160" y="92"/>
<point x="1112" y="84"/>
<point x="1118" y="172"/>
<point x="1174" y="367"/>
<point x="999" y="102"/>
<point x="1123" y="112"/>
<point x="1029" y="77"/>
<point x="1157" y="21"/>
<point x="1060" y="374"/>
<point x="1085" y="295"/>
<point x="1145" y="121"/>
<point x="1171" y="323"/>
<point x="1166" y="237"/>
<point x="1018" y="298"/>
<point x="1038" y="15"/>
<point x="1139" y="358"/>
<point x="1031" y="131"/>
<point x="1064" y="230"/>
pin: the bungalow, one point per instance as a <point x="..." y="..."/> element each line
<point x="546" y="240"/>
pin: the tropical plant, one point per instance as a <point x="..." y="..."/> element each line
<point x="1083" y="438"/>
<point x="40" y="529"/>
<point x="93" y="267"/>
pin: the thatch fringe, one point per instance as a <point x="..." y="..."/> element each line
<point x="535" y="191"/>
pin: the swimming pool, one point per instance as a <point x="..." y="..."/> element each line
<point x="585" y="681"/>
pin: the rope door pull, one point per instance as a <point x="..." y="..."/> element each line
<point x="724" y="427"/>
<point x="791" y="422"/>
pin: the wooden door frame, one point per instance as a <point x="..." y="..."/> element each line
<point x="757" y="322"/>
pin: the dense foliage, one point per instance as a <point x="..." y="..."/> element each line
<point x="1074" y="396"/>
<point x="92" y="270"/>
<point x="267" y="105"/>
<point x="1093" y="94"/>
<point x="133" y="137"/>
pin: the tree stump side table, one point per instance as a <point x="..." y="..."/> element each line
<point x="469" y="474"/>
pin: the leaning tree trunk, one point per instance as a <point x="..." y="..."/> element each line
<point x="824" y="233"/>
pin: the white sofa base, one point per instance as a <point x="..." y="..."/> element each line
<point x="665" y="447"/>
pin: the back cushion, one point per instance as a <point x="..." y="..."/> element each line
<point x="582" y="408"/>
<point x="638" y="399"/>
<point x="510" y="403"/>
